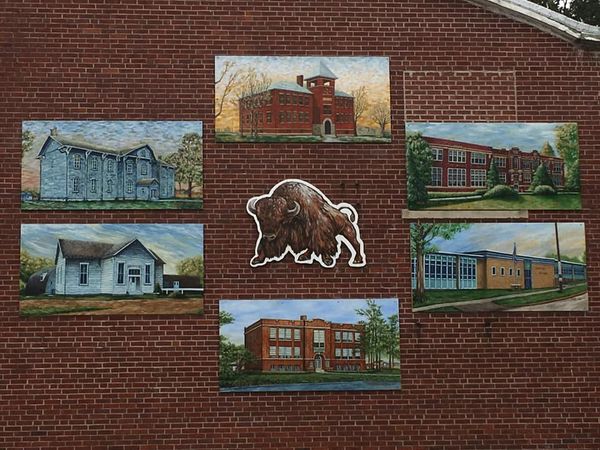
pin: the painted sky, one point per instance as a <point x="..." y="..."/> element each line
<point x="352" y="72"/>
<point x="533" y="239"/>
<point x="246" y="312"/>
<point x="163" y="136"/>
<point x="171" y="242"/>
<point x="526" y="136"/>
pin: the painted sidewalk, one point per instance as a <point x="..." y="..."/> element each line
<point x="333" y="386"/>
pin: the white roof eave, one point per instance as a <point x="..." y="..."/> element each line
<point x="545" y="19"/>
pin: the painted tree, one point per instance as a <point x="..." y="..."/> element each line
<point x="225" y="85"/>
<point x="361" y="104"/>
<point x="373" y="341"/>
<point x="547" y="150"/>
<point x="573" y="178"/>
<point x="421" y="236"/>
<point x="27" y="141"/>
<point x="188" y="160"/>
<point x="380" y="114"/>
<point x="232" y="358"/>
<point x="31" y="264"/>
<point x="253" y="94"/>
<point x="567" y="144"/>
<point x="193" y="266"/>
<point x="392" y="339"/>
<point x="493" y="176"/>
<point x="587" y="11"/>
<point x="541" y="177"/>
<point x="418" y="156"/>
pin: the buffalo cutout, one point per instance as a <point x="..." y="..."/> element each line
<point x="295" y="217"/>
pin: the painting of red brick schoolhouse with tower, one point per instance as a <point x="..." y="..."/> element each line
<point x="111" y="165"/>
<point x="486" y="166"/>
<point x="302" y="99"/>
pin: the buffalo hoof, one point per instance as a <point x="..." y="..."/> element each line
<point x="328" y="261"/>
<point x="358" y="260"/>
<point x="257" y="261"/>
<point x="306" y="256"/>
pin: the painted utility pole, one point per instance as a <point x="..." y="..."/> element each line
<point x="560" y="274"/>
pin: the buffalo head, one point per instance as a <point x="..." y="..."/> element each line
<point x="272" y="213"/>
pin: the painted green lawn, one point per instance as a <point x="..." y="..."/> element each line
<point x="452" y="194"/>
<point x="105" y="297"/>
<point x="437" y="296"/>
<point x="258" y="379"/>
<point x="41" y="312"/>
<point x="524" y="201"/>
<point x="234" y="137"/>
<point x="115" y="204"/>
<point x="542" y="298"/>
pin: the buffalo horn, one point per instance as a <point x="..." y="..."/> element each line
<point x="252" y="205"/>
<point x="295" y="210"/>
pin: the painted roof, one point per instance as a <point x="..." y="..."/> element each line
<point x="75" y="249"/>
<point x="185" y="281"/>
<point x="37" y="282"/>
<point x="502" y="255"/>
<point x="342" y="94"/>
<point x="289" y="86"/>
<point x="324" y="72"/>
<point x="524" y="11"/>
<point x="146" y="181"/>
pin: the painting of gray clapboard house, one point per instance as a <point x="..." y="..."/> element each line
<point x="78" y="171"/>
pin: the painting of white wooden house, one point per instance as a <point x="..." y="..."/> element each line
<point x="78" y="170"/>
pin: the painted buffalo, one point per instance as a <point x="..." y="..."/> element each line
<point x="297" y="218"/>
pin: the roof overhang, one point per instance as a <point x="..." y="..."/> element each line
<point x="577" y="33"/>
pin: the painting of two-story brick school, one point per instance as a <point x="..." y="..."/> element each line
<point x="111" y="165"/>
<point x="493" y="166"/>
<point x="302" y="99"/>
<point x="111" y="269"/>
<point x="309" y="345"/>
<point x="471" y="267"/>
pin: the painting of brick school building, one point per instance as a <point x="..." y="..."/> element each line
<point x="478" y="166"/>
<point x="83" y="165"/>
<point x="487" y="267"/>
<point x="305" y="99"/>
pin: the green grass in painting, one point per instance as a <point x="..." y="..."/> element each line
<point x="437" y="296"/>
<point x="524" y="201"/>
<point x="41" y="312"/>
<point x="235" y="137"/>
<point x="452" y="194"/>
<point x="444" y="309"/>
<point x="259" y="379"/>
<point x="114" y="204"/>
<point x="542" y="298"/>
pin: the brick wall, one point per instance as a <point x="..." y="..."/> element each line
<point x="470" y="381"/>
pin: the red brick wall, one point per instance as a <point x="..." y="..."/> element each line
<point x="524" y="381"/>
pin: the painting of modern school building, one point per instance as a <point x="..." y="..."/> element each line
<point x="304" y="345"/>
<point x="462" y="166"/>
<point x="311" y="106"/>
<point x="77" y="170"/>
<point x="486" y="269"/>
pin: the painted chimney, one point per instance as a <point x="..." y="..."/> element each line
<point x="53" y="131"/>
<point x="300" y="80"/>
<point x="302" y="317"/>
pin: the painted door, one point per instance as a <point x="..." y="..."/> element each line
<point x="527" y="273"/>
<point x="134" y="281"/>
<point x="318" y="363"/>
<point x="154" y="194"/>
<point x="327" y="127"/>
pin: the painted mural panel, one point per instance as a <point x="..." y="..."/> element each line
<point x="309" y="345"/>
<point x="111" y="165"/>
<point x="473" y="267"/>
<point x="493" y="166"/>
<point x="111" y="269"/>
<point x="302" y="99"/>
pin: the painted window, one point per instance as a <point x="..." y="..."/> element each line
<point x="494" y="270"/>
<point x="296" y="352"/>
<point x="76" y="185"/>
<point x="347" y="336"/>
<point x="437" y="154"/>
<point x="525" y="164"/>
<point x="273" y="351"/>
<point x="457" y="156"/>
<point x="94" y="163"/>
<point x="272" y="333"/>
<point x="147" y="277"/>
<point x="468" y="273"/>
<point x="503" y="177"/>
<point x="93" y="185"/>
<point x="110" y="166"/>
<point x="129" y="186"/>
<point x="357" y="337"/>
<point x="500" y="161"/>
<point x="76" y="162"/>
<point x="281" y="99"/>
<point x="121" y="273"/>
<point x="129" y="166"/>
<point x="510" y="271"/>
<point x="436" y="176"/>
<point x="357" y="352"/>
<point x="518" y="272"/>
<point x="285" y="333"/>
<point x="285" y="352"/>
<point x="557" y="168"/>
<point x="338" y="336"/>
<point x="281" y="117"/>
<point x="515" y="164"/>
<point x="109" y="186"/>
<point x="478" y="177"/>
<point x="318" y="340"/>
<point x="296" y="334"/>
<point x="338" y="352"/>
<point x="144" y="168"/>
<point x="478" y="158"/>
<point x="502" y="271"/>
<point x="268" y="116"/>
<point x="527" y="177"/>
<point x="83" y="274"/>
<point x="457" y="177"/>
